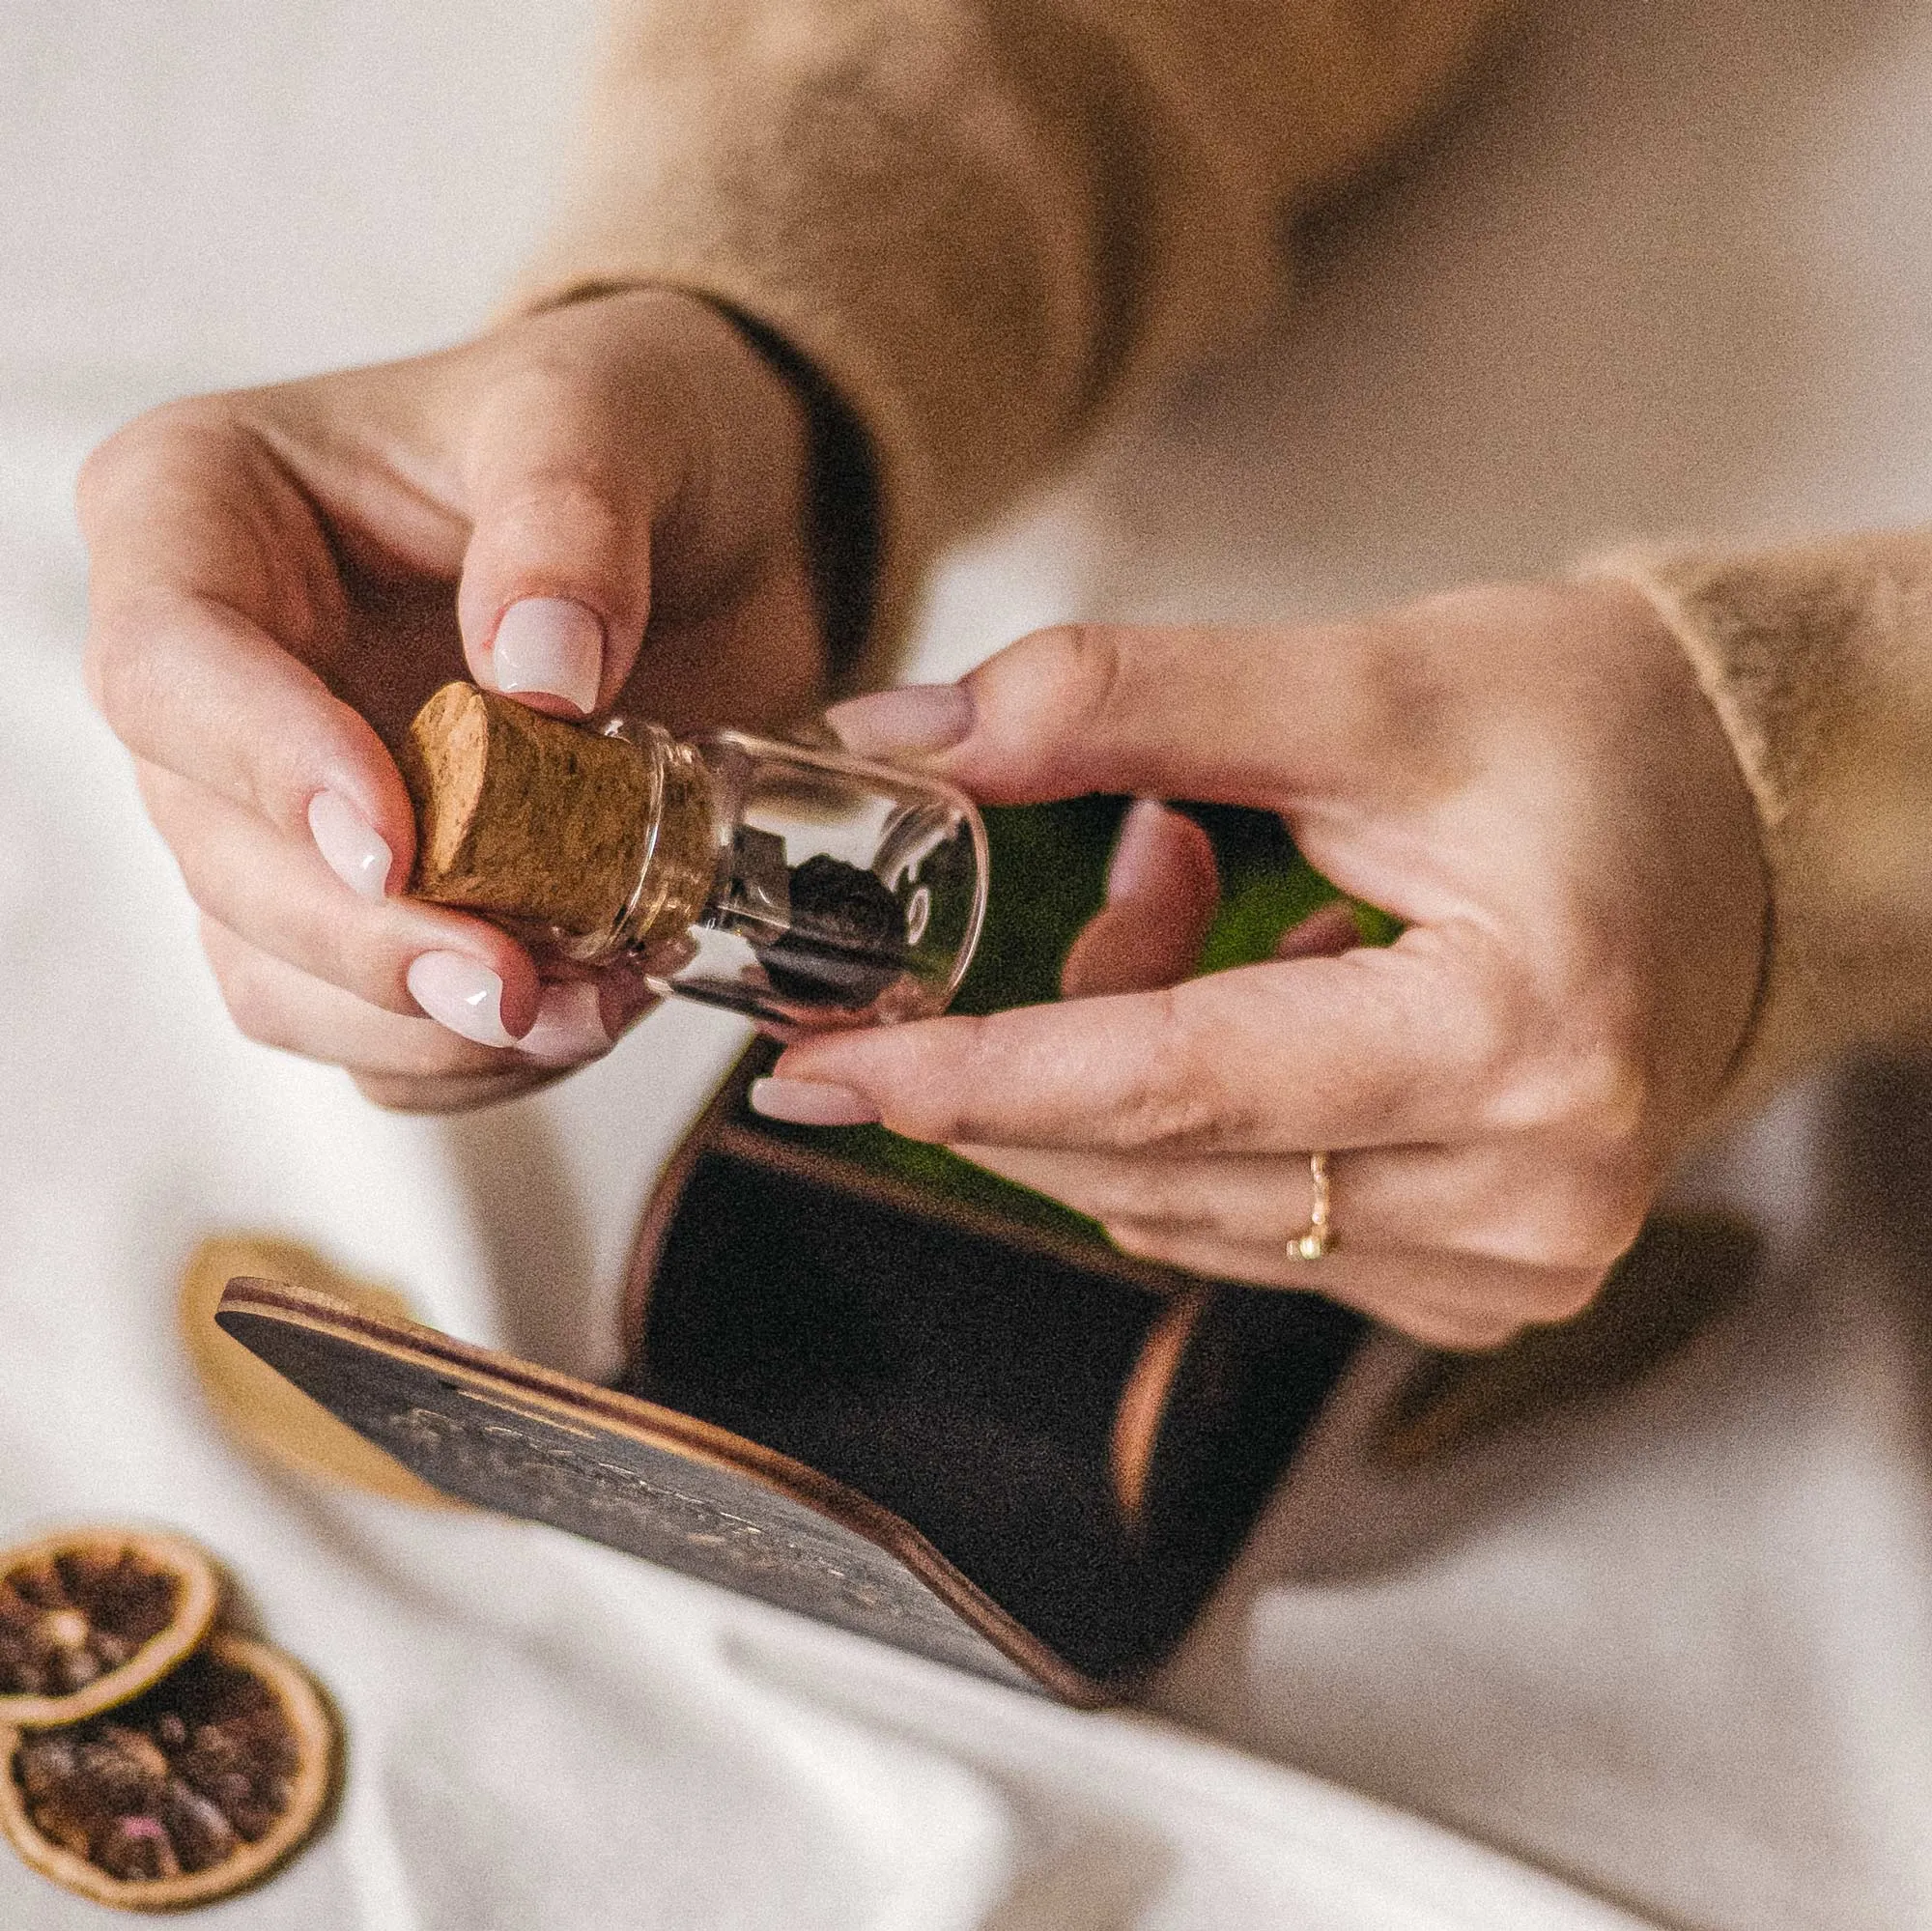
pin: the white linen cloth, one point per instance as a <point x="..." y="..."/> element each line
<point x="1673" y="1646"/>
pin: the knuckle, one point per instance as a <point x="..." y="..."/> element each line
<point x="1483" y="1022"/>
<point x="1078" y="669"/>
<point x="1536" y="1296"/>
<point x="1154" y="1194"/>
<point x="1140" y="1239"/>
<point x="580" y="497"/>
<point x="99" y="472"/>
<point x="117" y="671"/>
<point x="164" y="798"/>
<point x="1572" y="1061"/>
<point x="110" y="466"/>
<point x="1597" y="1092"/>
<point x="1494" y="1307"/>
<point x="1610" y="1096"/>
<point x="1401" y="700"/>
<point x="350" y="950"/>
<point x="1476" y="1334"/>
<point x="1458" y="1326"/>
<point x="1497" y="1030"/>
<point x="1565" y="1293"/>
<point x="245" y="991"/>
<point x="1621" y="1206"/>
<point x="937" y="1103"/>
<point x="1379" y="1100"/>
<point x="131" y="457"/>
<point x="1581" y="1224"/>
<point x="1169" y="1099"/>
<point x="201" y="893"/>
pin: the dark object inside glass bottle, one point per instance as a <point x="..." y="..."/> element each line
<point x="845" y="939"/>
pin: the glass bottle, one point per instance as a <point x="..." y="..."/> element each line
<point x="805" y="889"/>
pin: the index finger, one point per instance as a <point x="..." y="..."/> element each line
<point x="214" y="595"/>
<point x="1372" y="1047"/>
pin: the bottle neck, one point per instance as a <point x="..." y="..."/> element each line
<point x="679" y="857"/>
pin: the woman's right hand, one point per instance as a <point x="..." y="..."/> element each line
<point x="600" y="505"/>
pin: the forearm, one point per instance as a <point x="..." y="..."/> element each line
<point x="1818" y="659"/>
<point x="982" y="224"/>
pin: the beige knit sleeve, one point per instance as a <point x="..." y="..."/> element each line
<point x="1818" y="659"/>
<point x="980" y="221"/>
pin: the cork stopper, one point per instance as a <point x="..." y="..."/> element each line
<point x="525" y="818"/>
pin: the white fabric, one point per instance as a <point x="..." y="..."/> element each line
<point x="1674" y="1645"/>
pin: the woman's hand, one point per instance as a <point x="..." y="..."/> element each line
<point x="601" y="504"/>
<point x="1528" y="777"/>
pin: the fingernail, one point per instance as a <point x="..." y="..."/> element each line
<point x="1327" y="931"/>
<point x="350" y="845"/>
<point x="913" y="717"/>
<point x="549" y="648"/>
<point x="458" y="993"/>
<point x="569" y="1026"/>
<point x="1133" y="872"/>
<point x="806" y="1102"/>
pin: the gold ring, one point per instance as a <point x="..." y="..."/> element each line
<point x="1318" y="1238"/>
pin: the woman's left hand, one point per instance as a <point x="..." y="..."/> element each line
<point x="1527" y="775"/>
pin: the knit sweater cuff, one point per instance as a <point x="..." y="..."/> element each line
<point x="1818" y="661"/>
<point x="869" y="184"/>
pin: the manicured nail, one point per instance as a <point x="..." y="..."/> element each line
<point x="549" y="648"/>
<point x="1134" y="869"/>
<point x="806" y="1102"/>
<point x="349" y="845"/>
<point x="458" y="993"/>
<point x="915" y="718"/>
<point x="569" y="1026"/>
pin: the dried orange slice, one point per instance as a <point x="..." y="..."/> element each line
<point x="260" y="1410"/>
<point x="90" y="1617"/>
<point x="196" y="1789"/>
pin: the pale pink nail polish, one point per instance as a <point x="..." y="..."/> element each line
<point x="912" y="720"/>
<point x="1134" y="869"/>
<point x="807" y="1103"/>
<point x="569" y="1026"/>
<point x="460" y="993"/>
<point x="350" y="845"/>
<point x="549" y="648"/>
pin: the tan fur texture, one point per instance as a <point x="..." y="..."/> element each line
<point x="984" y="222"/>
<point x="1818" y="659"/>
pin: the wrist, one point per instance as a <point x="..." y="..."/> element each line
<point x="1720" y="871"/>
<point x="839" y="495"/>
<point x="842" y="500"/>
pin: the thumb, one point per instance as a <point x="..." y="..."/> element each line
<point x="1233" y="716"/>
<point x="563" y="492"/>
